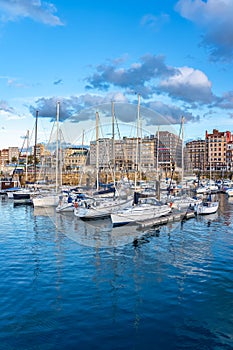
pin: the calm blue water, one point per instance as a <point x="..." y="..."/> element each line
<point x="70" y="285"/>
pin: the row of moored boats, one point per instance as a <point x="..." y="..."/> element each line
<point x="125" y="206"/>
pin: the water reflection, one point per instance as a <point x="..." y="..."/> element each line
<point x="97" y="233"/>
<point x="44" y="211"/>
<point x="170" y="285"/>
<point x="100" y="232"/>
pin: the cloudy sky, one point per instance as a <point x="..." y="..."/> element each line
<point x="176" y="54"/>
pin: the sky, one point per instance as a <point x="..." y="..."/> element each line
<point x="176" y="55"/>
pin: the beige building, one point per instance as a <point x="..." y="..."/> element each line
<point x="138" y="153"/>
<point x="229" y="156"/>
<point x="4" y="158"/>
<point x="214" y="154"/>
<point x="104" y="152"/>
<point x="216" y="148"/>
<point x="7" y="154"/>
<point x="75" y="158"/>
<point x="127" y="153"/>
<point x="40" y="150"/>
<point x="169" y="150"/>
<point x="13" y="153"/>
<point x="196" y="155"/>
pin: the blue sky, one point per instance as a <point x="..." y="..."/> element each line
<point x="177" y="54"/>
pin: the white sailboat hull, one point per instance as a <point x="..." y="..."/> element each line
<point x="46" y="201"/>
<point x="184" y="203"/>
<point x="206" y="208"/>
<point x="65" y="207"/>
<point x="101" y="209"/>
<point x="139" y="213"/>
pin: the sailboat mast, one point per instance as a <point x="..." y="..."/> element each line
<point x="138" y="165"/>
<point x="57" y="137"/>
<point x="35" y="146"/>
<point x="113" y="145"/>
<point x="210" y="156"/>
<point x="182" y="149"/>
<point x="83" y="139"/>
<point x="157" y="155"/>
<point x="97" y="150"/>
<point x="26" y="167"/>
<point x="60" y="156"/>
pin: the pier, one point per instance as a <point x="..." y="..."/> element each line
<point x="173" y="217"/>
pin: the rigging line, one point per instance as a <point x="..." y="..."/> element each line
<point x="43" y="128"/>
<point x="123" y="149"/>
<point x="43" y="170"/>
<point x="105" y="153"/>
<point x="106" y="148"/>
<point x="179" y="135"/>
<point x="19" y="155"/>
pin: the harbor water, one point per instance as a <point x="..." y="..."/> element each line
<point x="69" y="284"/>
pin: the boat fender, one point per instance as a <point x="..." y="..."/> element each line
<point x="170" y="204"/>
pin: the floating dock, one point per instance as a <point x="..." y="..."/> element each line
<point x="163" y="220"/>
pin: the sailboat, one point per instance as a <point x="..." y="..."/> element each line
<point x="208" y="206"/>
<point x="50" y="199"/>
<point x="143" y="209"/>
<point x="101" y="207"/>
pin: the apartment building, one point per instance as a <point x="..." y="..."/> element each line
<point x="229" y="156"/>
<point x="4" y="156"/>
<point x="196" y="155"/>
<point x="13" y="153"/>
<point x="75" y="158"/>
<point x="216" y="148"/>
<point x="134" y="153"/>
<point x="40" y="150"/>
<point x="169" y="150"/>
<point x="104" y="150"/>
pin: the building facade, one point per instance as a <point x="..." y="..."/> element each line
<point x="147" y="153"/>
<point x="169" y="150"/>
<point x="13" y="154"/>
<point x="75" y="158"/>
<point x="196" y="155"/>
<point x="229" y="156"/>
<point x="216" y="148"/>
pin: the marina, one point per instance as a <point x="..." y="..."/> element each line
<point x="116" y="175"/>
<point x="69" y="283"/>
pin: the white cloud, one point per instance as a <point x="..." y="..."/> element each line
<point x="215" y="18"/>
<point x="40" y="11"/>
<point x="7" y="115"/>
<point x="205" y="12"/>
<point x="189" y="84"/>
<point x="153" y="21"/>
